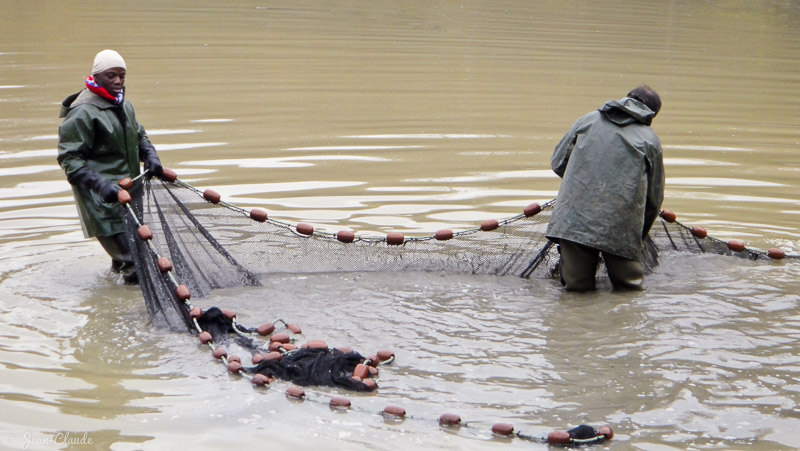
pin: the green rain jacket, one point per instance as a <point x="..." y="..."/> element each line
<point x="612" y="167"/>
<point x="104" y="138"/>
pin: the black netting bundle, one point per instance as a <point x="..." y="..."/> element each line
<point x="212" y="244"/>
<point x="304" y="366"/>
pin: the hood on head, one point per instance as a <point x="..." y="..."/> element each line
<point x="627" y="111"/>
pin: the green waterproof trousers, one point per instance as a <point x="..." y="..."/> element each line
<point x="579" y="268"/>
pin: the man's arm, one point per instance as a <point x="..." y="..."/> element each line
<point x="75" y="138"/>
<point x="563" y="150"/>
<point x="655" y="187"/>
<point x="148" y="154"/>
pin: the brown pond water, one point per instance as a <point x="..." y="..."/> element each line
<point x="410" y="116"/>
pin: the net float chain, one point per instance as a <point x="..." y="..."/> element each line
<point x="733" y="245"/>
<point x="212" y="196"/>
<point x="168" y="175"/>
<point x="563" y="437"/>
<point x="397" y="238"/>
<point x="197" y="312"/>
<point x="268" y="328"/>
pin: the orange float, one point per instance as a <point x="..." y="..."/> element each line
<point x="228" y="314"/>
<point x="164" y="265"/>
<point x="444" y="234"/>
<point x="532" y="209"/>
<point x="559" y="438"/>
<point x="169" y="175"/>
<point x="234" y="367"/>
<point x="265" y="329"/>
<point x="699" y="232"/>
<point x="123" y="196"/>
<point x="345" y="236"/>
<point x="361" y="371"/>
<point x="205" y="337"/>
<point x="395" y="411"/>
<point x="295" y="392"/>
<point x="449" y="419"/>
<point x="145" y="233"/>
<point x="258" y="215"/>
<point x="280" y="338"/>
<point x="316" y="344"/>
<point x="385" y="354"/>
<point x="211" y="196"/>
<point x="125" y="183"/>
<point x="502" y="429"/>
<point x="183" y="293"/>
<point x="339" y="402"/>
<point x="395" y="238"/>
<point x="274" y="355"/>
<point x="305" y="229"/>
<point x="668" y="215"/>
<point x="260" y="380"/>
<point x="195" y="313"/>
<point x="294" y="328"/>
<point x="489" y="224"/>
<point x="776" y="254"/>
<point x="736" y="245"/>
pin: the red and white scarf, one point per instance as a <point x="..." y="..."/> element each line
<point x="102" y="92"/>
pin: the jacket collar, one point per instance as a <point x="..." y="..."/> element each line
<point x="627" y="111"/>
<point x="84" y="97"/>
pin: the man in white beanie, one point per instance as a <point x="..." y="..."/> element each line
<point x="99" y="143"/>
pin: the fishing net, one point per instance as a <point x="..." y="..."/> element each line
<point x="187" y="242"/>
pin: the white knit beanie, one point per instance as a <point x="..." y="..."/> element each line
<point x="107" y="59"/>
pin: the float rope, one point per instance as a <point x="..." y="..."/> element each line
<point x="280" y="343"/>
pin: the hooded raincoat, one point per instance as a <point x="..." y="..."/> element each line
<point x="612" y="168"/>
<point x="104" y="138"/>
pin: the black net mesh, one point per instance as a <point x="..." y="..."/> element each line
<point x="212" y="244"/>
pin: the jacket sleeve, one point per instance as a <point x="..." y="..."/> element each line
<point x="75" y="139"/>
<point x="655" y="186"/>
<point x="148" y="154"/>
<point x="146" y="149"/>
<point x="563" y="150"/>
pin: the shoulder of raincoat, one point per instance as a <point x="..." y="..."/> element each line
<point x="611" y="163"/>
<point x="103" y="138"/>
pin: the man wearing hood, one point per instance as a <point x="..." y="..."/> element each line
<point x="99" y="143"/>
<point x="612" y="168"/>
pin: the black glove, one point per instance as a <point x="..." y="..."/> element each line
<point x="109" y="192"/>
<point x="95" y="182"/>
<point x="152" y="163"/>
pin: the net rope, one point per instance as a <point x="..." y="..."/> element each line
<point x="186" y="242"/>
<point x="213" y="244"/>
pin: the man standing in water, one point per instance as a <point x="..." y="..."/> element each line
<point x="99" y="143"/>
<point x="612" y="168"/>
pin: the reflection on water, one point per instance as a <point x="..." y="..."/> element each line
<point x="414" y="116"/>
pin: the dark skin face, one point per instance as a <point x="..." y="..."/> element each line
<point x="112" y="79"/>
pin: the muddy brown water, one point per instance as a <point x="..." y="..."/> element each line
<point x="410" y="116"/>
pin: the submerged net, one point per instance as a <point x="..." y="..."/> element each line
<point x="195" y="241"/>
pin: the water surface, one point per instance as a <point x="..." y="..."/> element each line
<point x="383" y="116"/>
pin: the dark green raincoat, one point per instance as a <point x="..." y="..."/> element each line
<point x="105" y="138"/>
<point x="613" y="179"/>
